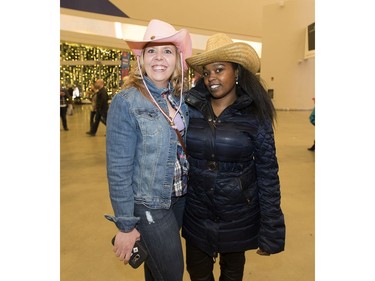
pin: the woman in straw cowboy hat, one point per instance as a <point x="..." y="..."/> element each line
<point x="146" y="163"/>
<point x="233" y="200"/>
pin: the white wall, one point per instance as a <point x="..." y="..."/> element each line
<point x="107" y="32"/>
<point x="284" y="68"/>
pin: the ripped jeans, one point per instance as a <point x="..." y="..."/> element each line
<point x="160" y="233"/>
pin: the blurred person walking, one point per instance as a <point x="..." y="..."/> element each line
<point x="64" y="107"/>
<point x="312" y="121"/>
<point x="92" y="95"/>
<point x="101" y="106"/>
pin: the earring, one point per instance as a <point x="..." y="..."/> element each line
<point x="236" y="80"/>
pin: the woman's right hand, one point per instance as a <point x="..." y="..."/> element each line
<point x="124" y="243"/>
<point x="262" y="252"/>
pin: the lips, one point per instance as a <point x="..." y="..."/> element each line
<point x="159" y="68"/>
<point x="214" y="86"/>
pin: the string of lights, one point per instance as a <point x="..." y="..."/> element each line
<point x="82" y="64"/>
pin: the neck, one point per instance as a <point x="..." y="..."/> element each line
<point x="219" y="105"/>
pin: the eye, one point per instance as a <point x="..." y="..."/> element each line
<point x="219" y="69"/>
<point x="168" y="51"/>
<point x="150" y="50"/>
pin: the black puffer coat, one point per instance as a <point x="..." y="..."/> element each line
<point x="233" y="201"/>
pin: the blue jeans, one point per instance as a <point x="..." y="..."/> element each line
<point x="160" y="233"/>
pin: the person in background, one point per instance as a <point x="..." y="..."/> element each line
<point x="146" y="162"/>
<point x="64" y="107"/>
<point x="76" y="94"/>
<point x="92" y="94"/>
<point x="233" y="198"/>
<point x="70" y="90"/>
<point x="70" y="99"/>
<point x="312" y="121"/>
<point x="101" y="106"/>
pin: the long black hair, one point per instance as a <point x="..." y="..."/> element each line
<point x="252" y="86"/>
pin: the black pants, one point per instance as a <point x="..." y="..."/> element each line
<point x="92" y="118"/>
<point x="63" y="116"/>
<point x="200" y="265"/>
<point x="99" y="117"/>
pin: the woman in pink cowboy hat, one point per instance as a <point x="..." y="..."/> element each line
<point x="146" y="162"/>
<point x="233" y="199"/>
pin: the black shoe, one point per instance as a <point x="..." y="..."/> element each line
<point x="312" y="148"/>
<point x="66" y="129"/>
<point x="91" y="134"/>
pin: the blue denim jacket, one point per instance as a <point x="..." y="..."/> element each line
<point x="141" y="154"/>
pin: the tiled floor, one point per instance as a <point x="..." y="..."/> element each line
<point x="86" y="251"/>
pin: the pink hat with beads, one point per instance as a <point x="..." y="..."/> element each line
<point x="159" y="31"/>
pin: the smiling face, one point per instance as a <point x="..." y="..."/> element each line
<point x="160" y="62"/>
<point x="220" y="79"/>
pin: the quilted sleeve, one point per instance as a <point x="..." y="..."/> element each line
<point x="272" y="225"/>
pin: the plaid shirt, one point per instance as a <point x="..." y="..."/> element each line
<point x="180" y="173"/>
<point x="181" y="167"/>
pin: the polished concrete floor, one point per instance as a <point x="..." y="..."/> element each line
<point x="85" y="248"/>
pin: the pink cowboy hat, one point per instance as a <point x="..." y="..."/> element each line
<point x="159" y="31"/>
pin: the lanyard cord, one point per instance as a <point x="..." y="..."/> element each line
<point x="170" y="119"/>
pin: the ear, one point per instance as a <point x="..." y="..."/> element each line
<point x="236" y="72"/>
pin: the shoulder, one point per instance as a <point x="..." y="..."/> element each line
<point x="127" y="95"/>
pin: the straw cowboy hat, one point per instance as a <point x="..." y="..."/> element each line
<point x="220" y="47"/>
<point x="159" y="32"/>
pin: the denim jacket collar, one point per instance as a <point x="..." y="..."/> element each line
<point x="153" y="89"/>
<point x="157" y="92"/>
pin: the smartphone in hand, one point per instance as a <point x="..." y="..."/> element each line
<point x="139" y="254"/>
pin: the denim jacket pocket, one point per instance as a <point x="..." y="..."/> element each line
<point x="148" y="121"/>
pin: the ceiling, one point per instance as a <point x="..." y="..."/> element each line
<point x="239" y="18"/>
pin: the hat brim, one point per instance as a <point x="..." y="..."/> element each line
<point x="181" y="39"/>
<point x="237" y="52"/>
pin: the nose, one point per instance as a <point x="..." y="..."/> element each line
<point x="211" y="75"/>
<point x="159" y="54"/>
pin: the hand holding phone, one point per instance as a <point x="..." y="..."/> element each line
<point x="262" y="253"/>
<point x="139" y="254"/>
